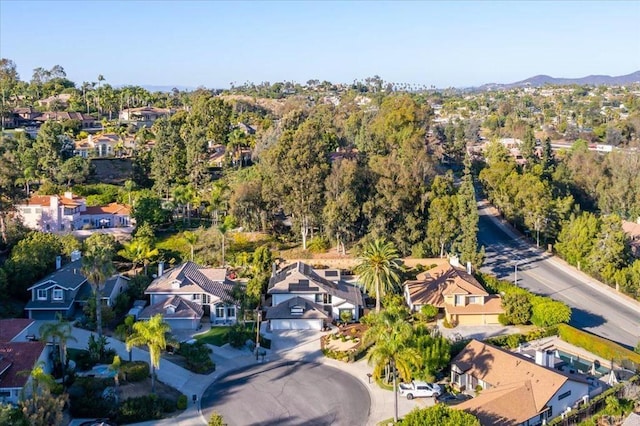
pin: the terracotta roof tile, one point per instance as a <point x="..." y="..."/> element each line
<point x="23" y="357"/>
<point x="10" y="328"/>
<point x="431" y="286"/>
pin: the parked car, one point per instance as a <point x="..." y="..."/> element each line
<point x="453" y="399"/>
<point x="417" y="389"/>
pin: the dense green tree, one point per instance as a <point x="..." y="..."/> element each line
<point x="10" y="193"/>
<point x="49" y="146"/>
<point x="168" y="159"/>
<point x="576" y="238"/>
<point x="378" y="269"/>
<point x="75" y="169"/>
<point x="467" y="243"/>
<point x="609" y="252"/>
<point x="439" y="415"/>
<point x="517" y="308"/>
<point x="40" y="406"/>
<point x="149" y="210"/>
<point x="547" y="312"/>
<point x="31" y="259"/>
<point x="443" y="226"/>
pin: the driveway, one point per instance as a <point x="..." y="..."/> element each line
<point x="288" y="393"/>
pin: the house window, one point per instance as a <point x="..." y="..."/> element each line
<point x="26" y="210"/>
<point x="206" y="298"/>
<point x="475" y="300"/>
<point x="5" y="394"/>
<point x="460" y="300"/>
<point x="323" y="298"/>
<point x="57" y="294"/>
<point x="564" y="395"/>
<point x="220" y="311"/>
<point x="196" y="296"/>
<point x="231" y="312"/>
<point x="297" y="310"/>
<point x="42" y="294"/>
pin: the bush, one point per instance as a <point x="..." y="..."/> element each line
<point x="237" y="335"/>
<point x="135" y="371"/>
<point x="143" y="408"/>
<point x="597" y="345"/>
<point x="216" y="419"/>
<point x="197" y="357"/>
<point x="318" y="244"/>
<point x="182" y="402"/>
<point x="503" y="319"/>
<point x="441" y="415"/>
<point x="548" y="312"/>
<point x="82" y="359"/>
<point x="448" y="324"/>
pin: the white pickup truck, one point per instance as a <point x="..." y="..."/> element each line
<point x="417" y="389"/>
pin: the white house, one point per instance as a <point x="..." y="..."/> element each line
<point x="515" y="390"/>
<point x="205" y="292"/>
<point x="306" y="298"/>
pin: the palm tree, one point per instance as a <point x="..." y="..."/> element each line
<point x="192" y="239"/>
<point x="139" y="251"/>
<point x="378" y="268"/>
<point x="97" y="266"/>
<point x="152" y="334"/>
<point x="391" y="351"/>
<point x="61" y="331"/>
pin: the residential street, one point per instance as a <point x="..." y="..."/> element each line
<point x="596" y="307"/>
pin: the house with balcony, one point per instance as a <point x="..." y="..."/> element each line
<point x="513" y="389"/>
<point x="456" y="292"/>
<point x="144" y="116"/>
<point x="304" y="298"/>
<point x="188" y="292"/>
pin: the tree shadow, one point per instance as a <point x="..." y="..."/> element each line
<point x="581" y="318"/>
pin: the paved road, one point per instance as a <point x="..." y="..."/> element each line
<point x="288" y="393"/>
<point x="596" y="310"/>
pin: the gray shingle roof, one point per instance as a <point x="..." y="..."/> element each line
<point x="283" y="310"/>
<point x="67" y="277"/>
<point x="301" y="278"/>
<point x="183" y="309"/>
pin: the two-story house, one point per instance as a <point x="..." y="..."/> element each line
<point x="513" y="389"/>
<point x="18" y="356"/>
<point x="304" y="298"/>
<point x="456" y="291"/>
<point x="66" y="290"/>
<point x="144" y="116"/>
<point x="187" y="292"/>
<point x="68" y="212"/>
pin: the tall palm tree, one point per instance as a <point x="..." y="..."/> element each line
<point x="379" y="268"/>
<point x="153" y="335"/>
<point x="391" y="351"/>
<point x="97" y="266"/>
<point x="60" y="331"/>
<point x="192" y="239"/>
<point x="139" y="251"/>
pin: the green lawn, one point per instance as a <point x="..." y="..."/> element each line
<point x="216" y="336"/>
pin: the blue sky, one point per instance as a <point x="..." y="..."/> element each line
<point x="454" y="43"/>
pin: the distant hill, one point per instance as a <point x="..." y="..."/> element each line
<point x="541" y="80"/>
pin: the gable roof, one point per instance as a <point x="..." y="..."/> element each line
<point x="194" y="279"/>
<point x="10" y="328"/>
<point x="500" y="368"/>
<point x="503" y="406"/>
<point x="16" y="357"/>
<point x="311" y="310"/>
<point x="184" y="309"/>
<point x="111" y="208"/>
<point x="431" y="286"/>
<point x="300" y="278"/>
<point x="69" y="277"/>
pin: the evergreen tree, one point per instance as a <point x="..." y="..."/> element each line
<point x="467" y="244"/>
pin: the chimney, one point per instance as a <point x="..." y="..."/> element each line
<point x="551" y="359"/>
<point x="160" y="268"/>
<point x="273" y="269"/>
<point x="454" y="261"/>
<point x="58" y="262"/>
<point x="541" y="358"/>
<point x="68" y="194"/>
<point x="469" y="268"/>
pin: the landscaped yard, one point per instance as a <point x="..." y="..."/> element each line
<point x="217" y="336"/>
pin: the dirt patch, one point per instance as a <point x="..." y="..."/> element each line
<point x="132" y="390"/>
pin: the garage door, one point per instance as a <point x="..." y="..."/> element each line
<point x="296" y="324"/>
<point x="181" y="324"/>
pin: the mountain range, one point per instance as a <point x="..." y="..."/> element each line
<point x="541" y="80"/>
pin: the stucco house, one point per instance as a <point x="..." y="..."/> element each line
<point x="17" y="356"/>
<point x="103" y="145"/>
<point x="514" y="390"/>
<point x="456" y="291"/>
<point x="66" y="290"/>
<point x="307" y="298"/>
<point x="204" y="292"/>
<point x="68" y="212"/>
<point x="144" y="116"/>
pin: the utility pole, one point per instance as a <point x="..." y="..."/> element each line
<point x="259" y="314"/>
<point x="516" y="278"/>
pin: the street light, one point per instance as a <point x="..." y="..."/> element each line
<point x="516" y="278"/>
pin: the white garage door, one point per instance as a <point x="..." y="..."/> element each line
<point x="296" y="324"/>
<point x="182" y="324"/>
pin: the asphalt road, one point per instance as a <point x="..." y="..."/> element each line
<point x="286" y="394"/>
<point x="595" y="311"/>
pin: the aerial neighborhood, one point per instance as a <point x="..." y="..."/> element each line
<point x="320" y="253"/>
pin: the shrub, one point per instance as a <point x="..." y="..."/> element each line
<point x="514" y="340"/>
<point x="197" y="357"/>
<point x="216" y="419"/>
<point x="547" y="312"/>
<point x="428" y="312"/>
<point x="143" y="408"/>
<point x="448" y="324"/>
<point x="439" y="414"/>
<point x="182" y="402"/>
<point x="597" y="345"/>
<point x="318" y="244"/>
<point x="503" y="319"/>
<point x="237" y="335"/>
<point x="517" y="308"/>
<point x="135" y="371"/>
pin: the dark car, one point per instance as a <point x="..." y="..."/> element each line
<point x="453" y="399"/>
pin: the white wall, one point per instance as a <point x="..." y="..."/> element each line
<point x="578" y="390"/>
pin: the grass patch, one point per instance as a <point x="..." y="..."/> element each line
<point x="217" y="336"/>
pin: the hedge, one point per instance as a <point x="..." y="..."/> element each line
<point x="135" y="371"/>
<point x="143" y="408"/>
<point x="597" y="345"/>
<point x="182" y="402"/>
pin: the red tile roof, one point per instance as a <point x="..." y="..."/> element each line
<point x="23" y="357"/>
<point x="10" y="328"/>
<point x="112" y="208"/>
